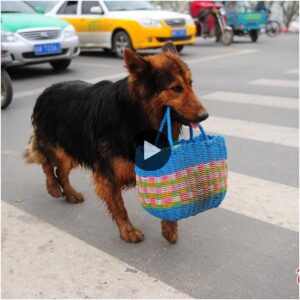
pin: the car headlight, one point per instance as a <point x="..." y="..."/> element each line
<point x="8" y="37"/>
<point x="150" y="23"/>
<point x="69" y="31"/>
<point x="189" y="21"/>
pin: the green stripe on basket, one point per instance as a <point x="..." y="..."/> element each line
<point x="142" y="182"/>
<point x="180" y="203"/>
<point x="211" y="182"/>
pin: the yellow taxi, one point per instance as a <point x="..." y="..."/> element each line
<point x="113" y="25"/>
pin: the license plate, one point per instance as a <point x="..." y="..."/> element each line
<point x="178" y="33"/>
<point x="45" y="49"/>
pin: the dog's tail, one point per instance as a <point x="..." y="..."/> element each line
<point x="28" y="151"/>
<point x="31" y="153"/>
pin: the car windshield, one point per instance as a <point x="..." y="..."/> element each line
<point x="46" y="5"/>
<point x="16" y="7"/>
<point x="129" y="5"/>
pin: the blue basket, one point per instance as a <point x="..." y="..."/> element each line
<point x="192" y="181"/>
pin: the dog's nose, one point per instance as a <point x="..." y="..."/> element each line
<point x="203" y="116"/>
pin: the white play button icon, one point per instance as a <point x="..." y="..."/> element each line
<point x="150" y="150"/>
<point x="151" y="154"/>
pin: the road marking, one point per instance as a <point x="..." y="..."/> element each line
<point x="213" y="57"/>
<point x="254" y="99"/>
<point x="10" y="152"/>
<point x="96" y="65"/>
<point x="107" y="77"/>
<point x="33" y="92"/>
<point x="293" y="71"/>
<point x="276" y="83"/>
<point x="38" y="91"/>
<point x="286" y="136"/>
<point x="263" y="200"/>
<point x="62" y="266"/>
<point x="120" y="75"/>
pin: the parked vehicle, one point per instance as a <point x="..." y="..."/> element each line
<point x="113" y="25"/>
<point x="245" y="20"/>
<point x="6" y="85"/>
<point x="209" y="17"/>
<point x="34" y="38"/>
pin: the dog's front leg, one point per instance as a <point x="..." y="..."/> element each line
<point x="169" y="231"/>
<point x="111" y="194"/>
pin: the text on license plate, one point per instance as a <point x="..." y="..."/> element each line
<point x="45" y="49"/>
<point x="178" y="32"/>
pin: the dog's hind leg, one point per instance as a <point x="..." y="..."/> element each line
<point x="53" y="187"/>
<point x="64" y="166"/>
<point x="111" y="195"/>
<point x="169" y="231"/>
<point x="35" y="154"/>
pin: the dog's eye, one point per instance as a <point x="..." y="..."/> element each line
<point x="177" y="89"/>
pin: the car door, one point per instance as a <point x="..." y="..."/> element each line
<point x="92" y="18"/>
<point x="70" y="12"/>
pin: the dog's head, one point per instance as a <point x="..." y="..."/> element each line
<point x="164" y="80"/>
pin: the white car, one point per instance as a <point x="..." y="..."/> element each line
<point x="113" y="25"/>
<point x="33" y="38"/>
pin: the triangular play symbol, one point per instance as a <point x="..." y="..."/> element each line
<point x="150" y="150"/>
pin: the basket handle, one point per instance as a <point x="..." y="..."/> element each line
<point x="202" y="131"/>
<point x="166" y="119"/>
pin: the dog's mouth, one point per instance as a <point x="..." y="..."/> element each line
<point x="193" y="122"/>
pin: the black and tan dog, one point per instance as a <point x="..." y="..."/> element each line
<point x="79" y="124"/>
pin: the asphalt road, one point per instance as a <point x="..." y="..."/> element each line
<point x="248" y="248"/>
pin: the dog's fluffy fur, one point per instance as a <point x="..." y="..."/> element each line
<point x="79" y="124"/>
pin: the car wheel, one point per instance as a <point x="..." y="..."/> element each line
<point x="6" y="89"/>
<point x="61" y="64"/>
<point x="120" y="41"/>
<point x="254" y="35"/>
<point x="179" y="48"/>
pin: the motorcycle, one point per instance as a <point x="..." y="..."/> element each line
<point x="210" y="20"/>
<point x="6" y="85"/>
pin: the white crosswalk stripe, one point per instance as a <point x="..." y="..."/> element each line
<point x="286" y="136"/>
<point x="293" y="71"/>
<point x="36" y="92"/>
<point x="253" y="99"/>
<point x="62" y="266"/>
<point x="263" y="200"/>
<point x="276" y="83"/>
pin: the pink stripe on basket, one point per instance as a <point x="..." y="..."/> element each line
<point x="194" y="186"/>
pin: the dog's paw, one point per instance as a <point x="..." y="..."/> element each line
<point x="74" y="197"/>
<point x="54" y="190"/>
<point x="171" y="237"/>
<point x="132" y="235"/>
<point x="170" y="231"/>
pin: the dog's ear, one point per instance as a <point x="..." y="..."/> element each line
<point x="135" y="63"/>
<point x="169" y="47"/>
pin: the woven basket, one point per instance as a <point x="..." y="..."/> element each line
<point x="192" y="181"/>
